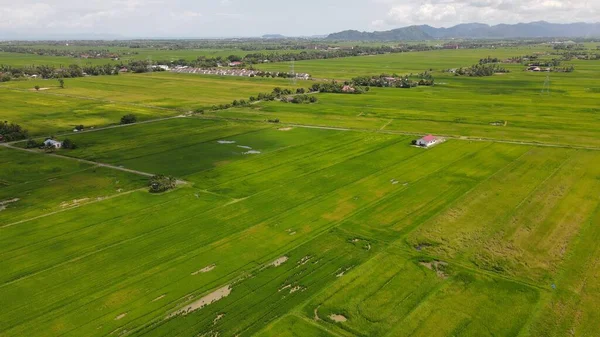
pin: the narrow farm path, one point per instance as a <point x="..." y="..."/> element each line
<point x="146" y="174"/>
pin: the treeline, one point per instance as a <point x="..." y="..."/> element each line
<point x="569" y="46"/>
<point x="568" y="56"/>
<point x="521" y="59"/>
<point x="298" y="96"/>
<point x="545" y="63"/>
<point x="92" y="53"/>
<point x="10" y="132"/>
<point x="394" y="80"/>
<point x="338" y="88"/>
<point x="301" y="99"/>
<point x="257" y="58"/>
<point x="73" y="70"/>
<point x="489" y="59"/>
<point x="480" y="70"/>
<point x="566" y="69"/>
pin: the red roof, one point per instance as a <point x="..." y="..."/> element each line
<point x="429" y="138"/>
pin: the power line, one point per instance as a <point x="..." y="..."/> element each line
<point x="546" y="88"/>
<point x="293" y="71"/>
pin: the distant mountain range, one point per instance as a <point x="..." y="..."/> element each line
<point x="475" y="31"/>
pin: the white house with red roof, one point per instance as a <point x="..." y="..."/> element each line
<point x="428" y="141"/>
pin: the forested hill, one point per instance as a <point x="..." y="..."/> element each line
<point x="474" y="30"/>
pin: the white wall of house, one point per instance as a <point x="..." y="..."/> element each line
<point x="422" y="142"/>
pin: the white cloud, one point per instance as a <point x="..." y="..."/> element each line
<point x="451" y="12"/>
<point x="192" y="18"/>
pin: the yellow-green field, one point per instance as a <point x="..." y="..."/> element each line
<point x="329" y="223"/>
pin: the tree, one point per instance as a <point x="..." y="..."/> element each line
<point x="61" y="82"/>
<point x="128" y="119"/>
<point x="161" y="183"/>
<point x="37" y="88"/>
<point x="79" y="127"/>
<point x="49" y="148"/>
<point x="10" y="132"/>
<point x="68" y="144"/>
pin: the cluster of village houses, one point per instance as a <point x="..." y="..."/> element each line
<point x="230" y="72"/>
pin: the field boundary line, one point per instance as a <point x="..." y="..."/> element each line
<point x="99" y="199"/>
<point x="313" y="323"/>
<point x="386" y="124"/>
<point x="419" y="134"/>
<point x="146" y="174"/>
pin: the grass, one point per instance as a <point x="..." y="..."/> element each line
<point x="461" y="106"/>
<point x="468" y="238"/>
<point x="101" y="101"/>
<point x="335" y="216"/>
<point x="44" y="184"/>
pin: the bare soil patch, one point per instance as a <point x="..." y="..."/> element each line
<point x="204" y="301"/>
<point x="219" y="316"/>
<point x="304" y="260"/>
<point x="338" y="318"/>
<point x="285" y="129"/>
<point x="40" y="89"/>
<point x="438" y="266"/>
<point x="204" y="270"/>
<point x="120" y="316"/>
<point x="73" y="203"/>
<point x="159" y="298"/>
<point x="278" y="262"/>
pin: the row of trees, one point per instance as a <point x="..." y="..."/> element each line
<point x="284" y="95"/>
<point x="339" y="88"/>
<point x="545" y="63"/>
<point x="394" y="81"/>
<point x="74" y="70"/>
<point x="301" y="99"/>
<point x="489" y="59"/>
<point x="479" y="70"/>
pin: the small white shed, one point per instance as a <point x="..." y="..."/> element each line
<point x="53" y="143"/>
<point x="427" y="141"/>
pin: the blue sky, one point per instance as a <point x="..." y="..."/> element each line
<point x="228" y="18"/>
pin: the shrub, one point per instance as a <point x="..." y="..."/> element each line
<point x="128" y="119"/>
<point x="32" y="144"/>
<point x="161" y="183"/>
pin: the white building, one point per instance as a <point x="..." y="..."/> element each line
<point x="53" y="143"/>
<point x="427" y="141"/>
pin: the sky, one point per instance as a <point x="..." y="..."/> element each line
<point x="246" y="18"/>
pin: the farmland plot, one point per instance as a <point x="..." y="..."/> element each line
<point x="34" y="185"/>
<point x="324" y="232"/>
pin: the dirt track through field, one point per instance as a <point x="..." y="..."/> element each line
<point x="146" y="174"/>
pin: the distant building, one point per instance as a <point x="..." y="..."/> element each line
<point x="53" y="143"/>
<point x="235" y="64"/>
<point x="427" y="141"/>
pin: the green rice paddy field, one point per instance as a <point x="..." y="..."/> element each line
<point x="327" y="224"/>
